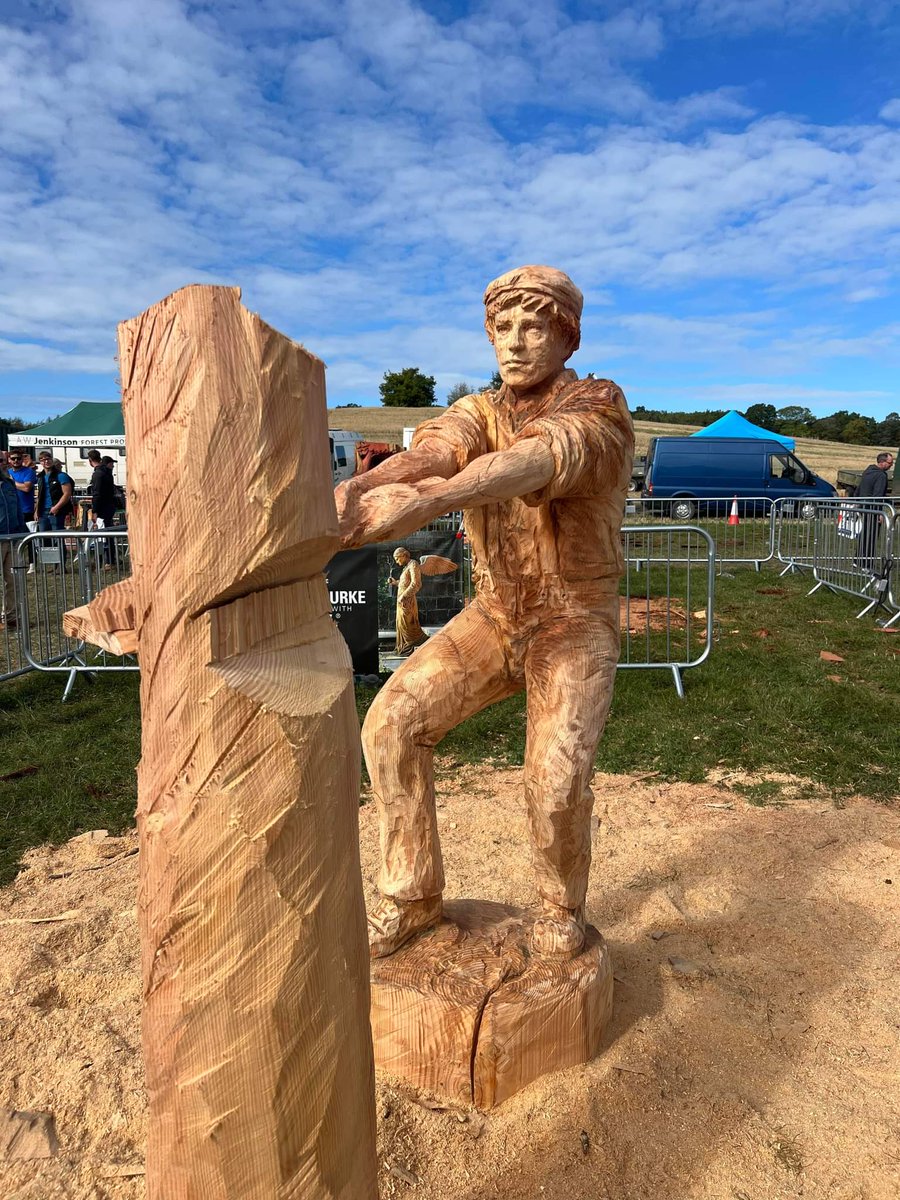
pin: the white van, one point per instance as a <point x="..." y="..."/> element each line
<point x="343" y="452"/>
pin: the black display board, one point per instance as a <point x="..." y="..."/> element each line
<point x="353" y="587"/>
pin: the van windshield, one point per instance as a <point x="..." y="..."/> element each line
<point x="785" y="466"/>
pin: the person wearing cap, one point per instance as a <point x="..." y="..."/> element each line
<point x="541" y="468"/>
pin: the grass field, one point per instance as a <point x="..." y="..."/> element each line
<point x="764" y="706"/>
<point x="387" y="425"/>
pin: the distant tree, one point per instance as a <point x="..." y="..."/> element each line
<point x="830" y="429"/>
<point x="887" y="432"/>
<point x="350" y="405"/>
<point x="495" y="384"/>
<point x="763" y="415"/>
<point x="458" y="391"/>
<point x="408" y="388"/>
<point x="795" y="414"/>
<point x="859" y="431"/>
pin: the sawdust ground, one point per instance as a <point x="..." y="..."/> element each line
<point x="770" y="1074"/>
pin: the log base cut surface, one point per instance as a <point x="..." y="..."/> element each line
<point x="465" y="1010"/>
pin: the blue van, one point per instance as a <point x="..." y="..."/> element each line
<point x="691" y="468"/>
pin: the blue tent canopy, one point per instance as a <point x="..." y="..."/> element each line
<point x="736" y="426"/>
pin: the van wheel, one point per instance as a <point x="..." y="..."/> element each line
<point x="683" y="510"/>
<point x="807" y="511"/>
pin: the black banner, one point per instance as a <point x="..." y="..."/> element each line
<point x="364" y="603"/>
<point x="353" y="587"/>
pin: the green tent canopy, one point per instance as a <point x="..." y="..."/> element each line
<point x="87" y="424"/>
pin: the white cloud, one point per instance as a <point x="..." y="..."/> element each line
<point x="891" y="111"/>
<point x="362" y="169"/>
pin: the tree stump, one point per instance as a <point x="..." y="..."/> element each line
<point x="255" y="965"/>
<point x="466" y="1011"/>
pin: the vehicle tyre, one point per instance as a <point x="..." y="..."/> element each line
<point x="683" y="510"/>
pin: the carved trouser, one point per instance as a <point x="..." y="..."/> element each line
<point x="567" y="666"/>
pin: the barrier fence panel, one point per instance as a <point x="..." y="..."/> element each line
<point x="793" y="537"/>
<point x="666" y="597"/>
<point x="12" y="661"/>
<point x="854" y="546"/>
<point x="740" y="536"/>
<point x="54" y="572"/>
<point x="667" y="600"/>
<point x="894" y="573"/>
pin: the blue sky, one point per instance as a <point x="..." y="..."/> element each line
<point x="720" y="177"/>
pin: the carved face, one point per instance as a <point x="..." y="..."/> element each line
<point x="530" y="346"/>
<point x="401" y="557"/>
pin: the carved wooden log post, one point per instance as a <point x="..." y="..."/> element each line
<point x="255" y="1027"/>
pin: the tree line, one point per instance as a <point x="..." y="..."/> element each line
<point x="795" y="421"/>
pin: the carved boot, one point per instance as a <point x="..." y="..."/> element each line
<point x="558" y="931"/>
<point x="393" y="922"/>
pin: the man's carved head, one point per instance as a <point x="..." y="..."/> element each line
<point x="402" y="556"/>
<point x="533" y="319"/>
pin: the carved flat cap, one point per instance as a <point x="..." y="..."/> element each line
<point x="546" y="281"/>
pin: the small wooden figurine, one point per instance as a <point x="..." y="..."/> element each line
<point x="409" y="632"/>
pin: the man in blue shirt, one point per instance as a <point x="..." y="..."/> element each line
<point x="24" y="476"/>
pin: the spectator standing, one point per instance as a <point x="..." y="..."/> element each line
<point x="11" y="523"/>
<point x="872" y="486"/>
<point x="54" y="494"/>
<point x="103" y="491"/>
<point x="24" y="476"/>
<point x="103" y="501"/>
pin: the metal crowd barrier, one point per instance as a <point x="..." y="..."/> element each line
<point x="666" y="601"/>
<point x="54" y="572"/>
<point x="668" y="596"/>
<point x="746" y="539"/>
<point x="854" y="550"/>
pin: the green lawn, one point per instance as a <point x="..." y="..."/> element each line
<point x="762" y="703"/>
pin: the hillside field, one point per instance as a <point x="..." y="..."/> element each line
<point x="387" y="425"/>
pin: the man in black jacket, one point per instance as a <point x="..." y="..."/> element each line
<point x="873" y="486"/>
<point x="103" y="500"/>
<point x="103" y="491"/>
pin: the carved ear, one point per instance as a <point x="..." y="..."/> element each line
<point x="433" y="564"/>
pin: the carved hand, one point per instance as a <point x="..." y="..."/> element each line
<point x="390" y="512"/>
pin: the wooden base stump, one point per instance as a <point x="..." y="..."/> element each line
<point x="465" y="1010"/>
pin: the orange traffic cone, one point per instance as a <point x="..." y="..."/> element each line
<point x="733" y="518"/>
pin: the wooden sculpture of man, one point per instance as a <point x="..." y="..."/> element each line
<point x="541" y="468"/>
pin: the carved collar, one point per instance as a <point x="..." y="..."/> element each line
<point x="506" y="401"/>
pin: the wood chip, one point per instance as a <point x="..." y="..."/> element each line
<point x="631" y="1070"/>
<point x="687" y="968"/>
<point x="95" y="866"/>
<point x="827" y="656"/>
<point x="69" y="915"/>
<point x="25" y="1136"/>
<point x="729" y="805"/>
<point x="401" y="1173"/>
<point x="112" y="1171"/>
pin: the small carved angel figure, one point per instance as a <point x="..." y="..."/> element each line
<point x="409" y="632"/>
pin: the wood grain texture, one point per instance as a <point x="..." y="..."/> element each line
<point x="78" y="623"/>
<point x="465" y="1010"/>
<point x="258" y="1058"/>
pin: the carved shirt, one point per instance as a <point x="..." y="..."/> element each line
<point x="558" y="548"/>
